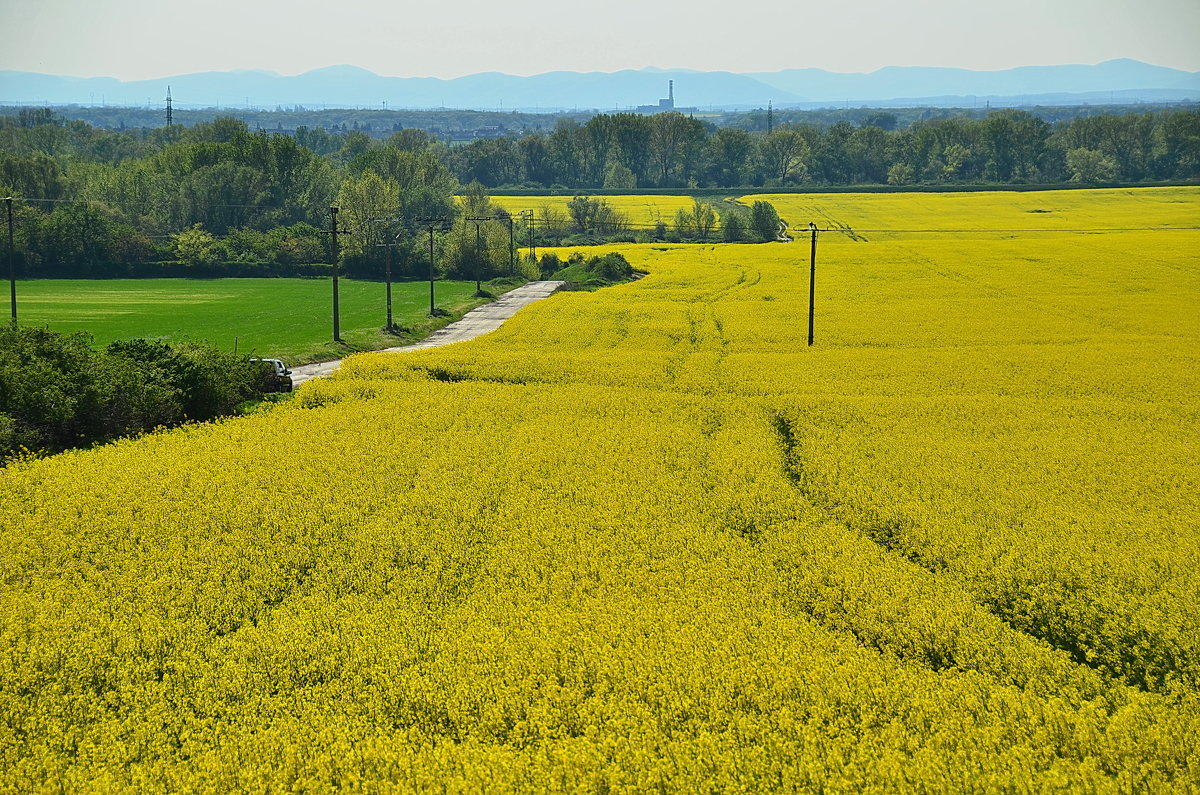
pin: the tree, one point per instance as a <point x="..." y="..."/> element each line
<point x="36" y="117"/>
<point x="361" y="199"/>
<point x="552" y="222"/>
<point x="869" y="149"/>
<point x="783" y="152"/>
<point x="81" y="237"/>
<point x="618" y="177"/>
<point x="476" y="201"/>
<point x="683" y="223"/>
<point x="730" y="156"/>
<point x="675" y="142"/>
<point x="881" y="119"/>
<point x="1177" y="144"/>
<point x="764" y="221"/>
<point x="353" y="145"/>
<point x="564" y="147"/>
<point x="630" y="133"/>
<point x="535" y="159"/>
<point x="425" y="186"/>
<point x="1091" y="166"/>
<point x="195" y="246"/>
<point x="37" y="176"/>
<point x="490" y="161"/>
<point x="698" y="221"/>
<point x="1013" y="142"/>
<point x="955" y="157"/>
<point x="833" y="159"/>
<point x="476" y="250"/>
<point x="900" y="174"/>
<point x="410" y="140"/>
<point x="733" y="227"/>
<point x="594" y="215"/>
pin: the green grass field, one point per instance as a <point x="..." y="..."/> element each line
<point x="285" y="318"/>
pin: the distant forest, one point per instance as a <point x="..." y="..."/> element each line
<point x="454" y="126"/>
<point x="221" y="191"/>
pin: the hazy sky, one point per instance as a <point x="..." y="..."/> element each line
<point x="139" y="39"/>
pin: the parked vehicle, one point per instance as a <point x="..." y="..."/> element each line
<point x="276" y="375"/>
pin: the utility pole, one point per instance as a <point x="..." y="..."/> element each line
<point x="388" y="270"/>
<point x="12" y="267"/>
<point x="812" y="280"/>
<point x="431" y="308"/>
<point x="512" y="247"/>
<point x="477" y="219"/>
<point x="433" y="223"/>
<point x="478" y="256"/>
<point x="333" y="232"/>
<point x="528" y="216"/>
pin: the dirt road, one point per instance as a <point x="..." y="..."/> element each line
<point x="475" y="323"/>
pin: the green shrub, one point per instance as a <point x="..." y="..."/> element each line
<point x="764" y="221"/>
<point x="56" y="392"/>
<point x="611" y="267"/>
<point x="549" y="265"/>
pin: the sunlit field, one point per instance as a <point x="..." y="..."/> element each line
<point x="284" y="318"/>
<point x="640" y="211"/>
<point x="646" y="538"/>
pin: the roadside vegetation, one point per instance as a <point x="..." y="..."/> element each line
<point x="58" y="392"/>
<point x="586" y="273"/>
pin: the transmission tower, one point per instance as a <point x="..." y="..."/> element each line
<point x="170" y="116"/>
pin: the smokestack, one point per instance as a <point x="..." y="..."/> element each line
<point x="671" y="91"/>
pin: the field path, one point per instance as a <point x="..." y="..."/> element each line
<point x="477" y="322"/>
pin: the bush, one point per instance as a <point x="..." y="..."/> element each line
<point x="56" y="392"/>
<point x="764" y="221"/>
<point x="593" y="271"/>
<point x="194" y="246"/>
<point x="550" y="265"/>
<point x="611" y="267"/>
<point x="733" y="227"/>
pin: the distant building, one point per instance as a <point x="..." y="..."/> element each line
<point x="663" y="104"/>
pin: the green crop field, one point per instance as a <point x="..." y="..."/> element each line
<point x="286" y="318"/>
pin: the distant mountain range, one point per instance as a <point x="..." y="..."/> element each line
<point x="1111" y="82"/>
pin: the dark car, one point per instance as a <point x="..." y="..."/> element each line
<point x="276" y="376"/>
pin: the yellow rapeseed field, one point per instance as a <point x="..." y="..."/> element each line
<point x="639" y="211"/>
<point x="647" y="539"/>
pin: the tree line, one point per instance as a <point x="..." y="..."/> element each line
<point x="671" y="150"/>
<point x="219" y="198"/>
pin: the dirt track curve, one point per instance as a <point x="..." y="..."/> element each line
<point x="477" y="322"/>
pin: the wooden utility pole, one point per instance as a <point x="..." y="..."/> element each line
<point x="512" y="247"/>
<point x="812" y="280"/>
<point x="433" y="224"/>
<point x="12" y="266"/>
<point x="388" y="267"/>
<point x="333" y="232"/>
<point x="479" y="245"/>
<point x="528" y="216"/>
